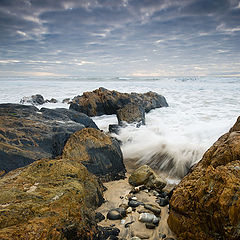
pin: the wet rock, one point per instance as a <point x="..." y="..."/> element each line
<point x="135" y="238"/>
<point x="128" y="224"/>
<point x="66" y="100"/>
<point x="49" y="199"/>
<point x="150" y="226"/>
<point x="162" y="235"/>
<point x="107" y="233"/>
<point x="145" y="175"/>
<point x="97" y="151"/>
<point x="163" y="202"/>
<point x="148" y="218"/>
<point x="156" y="210"/>
<point x="34" y="100"/>
<point x="52" y="100"/>
<point x="27" y="135"/>
<point x="114" y="128"/>
<point x="134" y="203"/>
<point x="102" y="101"/>
<point x="99" y="217"/>
<point x="116" y="214"/>
<point x="205" y="205"/>
<point x="131" y="113"/>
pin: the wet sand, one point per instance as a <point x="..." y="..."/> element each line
<point x="117" y="193"/>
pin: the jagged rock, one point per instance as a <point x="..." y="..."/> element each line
<point x="34" y="100"/>
<point x="102" y="101"/>
<point x="66" y="100"/>
<point x="27" y="135"/>
<point x="205" y="205"/>
<point x="145" y="175"/>
<point x="100" y="153"/>
<point x="114" y="128"/>
<point x="49" y="199"/>
<point x="52" y="100"/>
<point x="107" y="233"/>
<point x="131" y="113"/>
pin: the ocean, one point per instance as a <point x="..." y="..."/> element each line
<point x="200" y="110"/>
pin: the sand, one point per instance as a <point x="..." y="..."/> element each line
<point x="117" y="193"/>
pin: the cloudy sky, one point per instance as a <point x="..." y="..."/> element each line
<point x="119" y="37"/>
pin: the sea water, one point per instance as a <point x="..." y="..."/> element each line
<point x="200" y="110"/>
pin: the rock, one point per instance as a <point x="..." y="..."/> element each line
<point x="66" y="100"/>
<point x="114" y="128"/>
<point x="150" y="226"/>
<point x="99" y="217"/>
<point x="102" y="101"/>
<point x="52" y="100"/>
<point x="135" y="238"/>
<point x="128" y="224"/>
<point x="34" y="100"/>
<point x="116" y="214"/>
<point x="106" y="233"/>
<point x="148" y="218"/>
<point x="27" y="135"/>
<point x="131" y="113"/>
<point x="162" y="235"/>
<point x="68" y="115"/>
<point x="163" y="202"/>
<point x="205" y="205"/>
<point x="97" y="151"/>
<point x="134" y="203"/>
<point x="156" y="210"/>
<point x="49" y="199"/>
<point x="145" y="175"/>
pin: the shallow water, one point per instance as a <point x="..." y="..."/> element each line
<point x="174" y="138"/>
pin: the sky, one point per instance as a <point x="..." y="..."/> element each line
<point x="119" y="37"/>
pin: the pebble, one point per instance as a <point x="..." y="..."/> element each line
<point x="156" y="210"/>
<point x="134" y="203"/>
<point x="129" y="210"/>
<point x="116" y="213"/>
<point x="127" y="224"/>
<point x="148" y="218"/>
<point x="162" y="235"/>
<point x="150" y="226"/>
<point x="133" y="198"/>
<point x="163" y="202"/>
<point x="123" y="221"/>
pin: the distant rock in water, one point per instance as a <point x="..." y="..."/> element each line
<point x="100" y="153"/>
<point x="206" y="204"/>
<point x="103" y="101"/>
<point x="49" y="199"/>
<point x="27" y="134"/>
<point x="37" y="100"/>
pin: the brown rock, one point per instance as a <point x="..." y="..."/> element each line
<point x="205" y="205"/>
<point x="145" y="175"/>
<point x="100" y="153"/>
<point x="49" y="199"/>
<point x="131" y="113"/>
<point x="103" y="101"/>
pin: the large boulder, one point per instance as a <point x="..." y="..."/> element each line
<point x="205" y="205"/>
<point x="49" y="199"/>
<point x="27" y="135"/>
<point x="97" y="151"/>
<point x="102" y="101"/>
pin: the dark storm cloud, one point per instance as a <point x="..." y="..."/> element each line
<point x="121" y="36"/>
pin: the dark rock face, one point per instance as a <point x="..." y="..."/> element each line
<point x="102" y="101"/>
<point x="49" y="199"/>
<point x="98" y="152"/>
<point x="205" y="205"/>
<point x="34" y="100"/>
<point x="27" y="135"/>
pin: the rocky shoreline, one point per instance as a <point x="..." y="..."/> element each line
<point x="63" y="178"/>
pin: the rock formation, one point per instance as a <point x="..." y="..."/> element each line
<point x="49" y="199"/>
<point x="27" y="134"/>
<point x="206" y="204"/>
<point x="102" y="101"/>
<point x="100" y="153"/>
